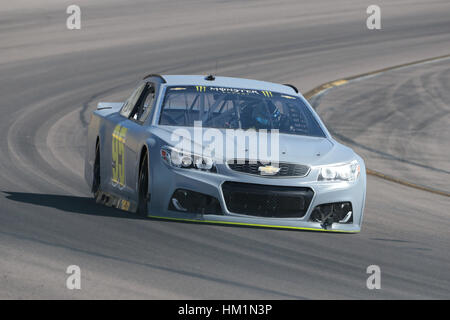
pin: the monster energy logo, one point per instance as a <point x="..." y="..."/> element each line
<point x="234" y="90"/>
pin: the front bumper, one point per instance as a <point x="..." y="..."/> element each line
<point x="165" y="180"/>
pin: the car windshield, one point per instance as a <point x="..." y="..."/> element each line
<point x="233" y="108"/>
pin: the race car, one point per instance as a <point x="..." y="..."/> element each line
<point x="223" y="150"/>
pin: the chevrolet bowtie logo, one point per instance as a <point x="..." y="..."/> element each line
<point x="268" y="170"/>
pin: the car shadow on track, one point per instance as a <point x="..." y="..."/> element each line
<point x="88" y="206"/>
<point x="81" y="205"/>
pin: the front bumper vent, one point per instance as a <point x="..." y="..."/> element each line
<point x="329" y="213"/>
<point x="267" y="200"/>
<point x="194" y="202"/>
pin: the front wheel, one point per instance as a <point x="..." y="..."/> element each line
<point x="142" y="208"/>
<point x="96" y="173"/>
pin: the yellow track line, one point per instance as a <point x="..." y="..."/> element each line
<point x="406" y="183"/>
<point x="336" y="83"/>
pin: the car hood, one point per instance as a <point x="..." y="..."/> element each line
<point x="292" y="148"/>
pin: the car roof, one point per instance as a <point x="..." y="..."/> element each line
<point x="227" y="82"/>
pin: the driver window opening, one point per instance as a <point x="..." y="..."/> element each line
<point x="143" y="105"/>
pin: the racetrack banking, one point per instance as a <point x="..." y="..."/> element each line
<point x="314" y="95"/>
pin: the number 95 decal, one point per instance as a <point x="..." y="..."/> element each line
<point x="118" y="156"/>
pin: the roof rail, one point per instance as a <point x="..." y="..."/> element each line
<point x="292" y="86"/>
<point x="156" y="76"/>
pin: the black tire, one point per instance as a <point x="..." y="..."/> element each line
<point x="142" y="208"/>
<point x="96" y="171"/>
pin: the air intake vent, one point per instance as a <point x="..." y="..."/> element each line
<point x="267" y="201"/>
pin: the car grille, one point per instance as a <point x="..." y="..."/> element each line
<point x="267" y="201"/>
<point x="286" y="169"/>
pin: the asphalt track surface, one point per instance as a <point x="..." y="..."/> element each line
<point x="51" y="78"/>
<point x="398" y="120"/>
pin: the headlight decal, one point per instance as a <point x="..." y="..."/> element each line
<point x="345" y="172"/>
<point x="183" y="159"/>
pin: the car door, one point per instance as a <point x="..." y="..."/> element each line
<point x="137" y="134"/>
<point x="128" y="133"/>
<point x="117" y="152"/>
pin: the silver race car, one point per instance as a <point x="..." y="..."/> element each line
<point x="223" y="150"/>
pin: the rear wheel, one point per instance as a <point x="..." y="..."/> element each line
<point x="96" y="173"/>
<point x="143" y="188"/>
